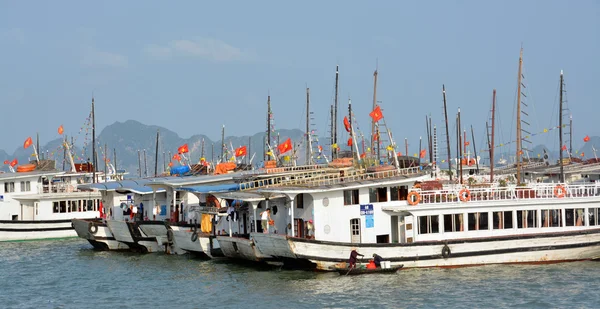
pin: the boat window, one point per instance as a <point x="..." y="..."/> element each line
<point x="299" y="202"/>
<point x="355" y="230"/>
<point x="73" y="205"/>
<point x="551" y="218"/>
<point x="378" y="195"/>
<point x="526" y="219"/>
<point x="574" y="217"/>
<point x="399" y="193"/>
<point x="22" y="186"/>
<point x="502" y="220"/>
<point x="28" y="185"/>
<point x="453" y="223"/>
<point x="9" y="187"/>
<point x="55" y="208"/>
<point x="90" y="205"/>
<point x="478" y="221"/>
<point x="429" y="224"/>
<point x="351" y="197"/>
<point x="63" y="206"/>
<point x="593" y="216"/>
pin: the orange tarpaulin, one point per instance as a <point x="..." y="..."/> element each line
<point x="205" y="224"/>
<point x="223" y="168"/>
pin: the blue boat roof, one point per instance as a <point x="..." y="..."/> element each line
<point x="122" y="186"/>
<point x="213" y="188"/>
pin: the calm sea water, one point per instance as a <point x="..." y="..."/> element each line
<point x="69" y="274"/>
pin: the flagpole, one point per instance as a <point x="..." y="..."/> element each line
<point x="392" y="142"/>
<point x="37" y="158"/>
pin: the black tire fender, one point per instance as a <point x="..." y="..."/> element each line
<point x="93" y="228"/>
<point x="446" y="251"/>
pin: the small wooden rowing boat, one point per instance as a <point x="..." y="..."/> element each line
<point x="361" y="271"/>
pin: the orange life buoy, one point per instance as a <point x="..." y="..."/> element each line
<point x="472" y="162"/>
<point x="464" y="195"/>
<point x="560" y="191"/>
<point x="416" y="200"/>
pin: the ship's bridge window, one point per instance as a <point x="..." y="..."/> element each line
<point x="593" y="216"/>
<point x="399" y="193"/>
<point x="377" y="195"/>
<point x="503" y="220"/>
<point x="527" y="218"/>
<point x="574" y="217"/>
<point x="429" y="224"/>
<point x="478" y="221"/>
<point x="63" y="206"/>
<point x="551" y="218"/>
<point x="453" y="223"/>
<point x="351" y="197"/>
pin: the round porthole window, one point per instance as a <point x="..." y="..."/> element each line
<point x="327" y="229"/>
<point x="325" y="201"/>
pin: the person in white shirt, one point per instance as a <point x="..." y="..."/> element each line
<point x="265" y="217"/>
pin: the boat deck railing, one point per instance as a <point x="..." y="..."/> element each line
<point x="60" y="187"/>
<point x="496" y="193"/>
<point x="285" y="169"/>
<point x="327" y="177"/>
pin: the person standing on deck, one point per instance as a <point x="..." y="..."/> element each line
<point x="265" y="217"/>
<point x="353" y="258"/>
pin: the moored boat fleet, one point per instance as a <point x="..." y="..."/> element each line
<point x="312" y="216"/>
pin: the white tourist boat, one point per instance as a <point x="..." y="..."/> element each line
<point x="41" y="204"/>
<point x="97" y="233"/>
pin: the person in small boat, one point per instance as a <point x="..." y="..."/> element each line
<point x="353" y="258"/>
<point x="377" y="259"/>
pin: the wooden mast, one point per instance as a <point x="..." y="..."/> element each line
<point x="519" y="151"/>
<point x="93" y="143"/>
<point x="492" y="142"/>
<point x="447" y="134"/>
<point x="308" y="142"/>
<point x="374" y="128"/>
<point x="268" y="136"/>
<point x="560" y="129"/>
<point x="474" y="149"/>
<point x="156" y="154"/>
<point x="334" y="150"/>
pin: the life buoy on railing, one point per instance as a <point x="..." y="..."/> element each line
<point x="464" y="195"/>
<point x="560" y="191"/>
<point x="472" y="161"/>
<point x="194" y="236"/>
<point x="413" y="198"/>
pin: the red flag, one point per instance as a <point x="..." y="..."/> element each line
<point x="28" y="142"/>
<point x="399" y="154"/>
<point x="586" y="139"/>
<point x="350" y="141"/>
<point x="6" y="162"/>
<point x="286" y="146"/>
<point x="363" y="155"/>
<point x="241" y="151"/>
<point x="61" y="130"/>
<point x="467" y="143"/>
<point x="14" y="162"/>
<point x="376" y="114"/>
<point x="583" y="154"/>
<point x="346" y="124"/>
<point x="183" y="148"/>
<point x="423" y="153"/>
<point x="170" y="164"/>
<point x="564" y="147"/>
<point x="176" y="157"/>
<point x="375" y="136"/>
<point x="320" y="148"/>
<point x="520" y="152"/>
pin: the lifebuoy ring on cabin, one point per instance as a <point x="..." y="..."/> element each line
<point x="93" y="228"/>
<point x="464" y="195"/>
<point x="446" y="251"/>
<point x="413" y="198"/>
<point x="194" y="236"/>
<point x="472" y="161"/>
<point x="560" y="191"/>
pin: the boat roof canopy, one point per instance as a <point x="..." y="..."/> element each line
<point x="227" y="187"/>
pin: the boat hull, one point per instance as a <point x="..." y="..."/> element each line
<point x="241" y="249"/>
<point x="183" y="238"/>
<point x="35" y="230"/>
<point x="533" y="248"/>
<point x="98" y="235"/>
<point x="344" y="271"/>
<point x="130" y="234"/>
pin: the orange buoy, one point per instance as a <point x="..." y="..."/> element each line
<point x="25" y="168"/>
<point x="560" y="191"/>
<point x="464" y="195"/>
<point x="413" y="198"/>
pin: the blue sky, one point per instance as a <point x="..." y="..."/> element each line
<point x="192" y="66"/>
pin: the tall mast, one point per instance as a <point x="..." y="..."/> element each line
<point x="447" y="133"/>
<point x="223" y="146"/>
<point x="115" y="160"/>
<point x="519" y="151"/>
<point x="351" y="125"/>
<point x="139" y="164"/>
<point x="560" y="131"/>
<point x="93" y="142"/>
<point x="570" y="135"/>
<point x="332" y="130"/>
<point x="105" y="162"/>
<point x="308" y="143"/>
<point x="492" y="147"/>
<point x="461" y="143"/>
<point x="374" y="131"/>
<point x="156" y="154"/>
<point x="474" y="149"/>
<point x="334" y="151"/>
<point x="268" y="141"/>
<point x="202" y="153"/>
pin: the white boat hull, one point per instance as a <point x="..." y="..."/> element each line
<point x="241" y="249"/>
<point x="36" y="230"/>
<point x="129" y="234"/>
<point x="98" y="235"/>
<point x="548" y="248"/>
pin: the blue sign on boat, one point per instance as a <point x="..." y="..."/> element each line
<point x="366" y="209"/>
<point x="369" y="221"/>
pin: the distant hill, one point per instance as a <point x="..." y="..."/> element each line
<point x="131" y="136"/>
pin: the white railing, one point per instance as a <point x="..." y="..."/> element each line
<point x="285" y="169"/>
<point x="496" y="193"/>
<point x="60" y="187"/>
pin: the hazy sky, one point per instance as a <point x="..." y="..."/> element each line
<point x="192" y="66"/>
